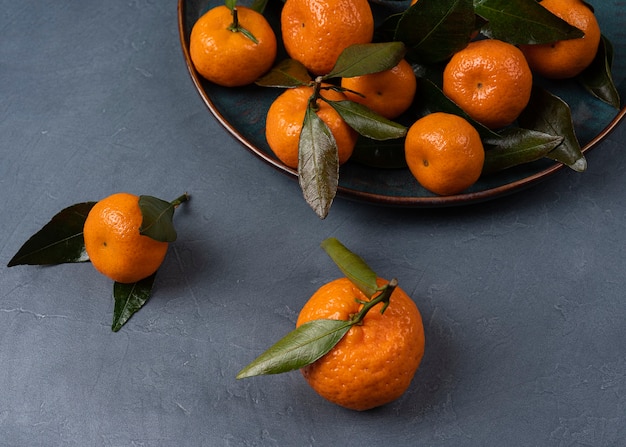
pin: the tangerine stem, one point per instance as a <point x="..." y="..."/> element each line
<point x="316" y="92"/>
<point x="235" y="25"/>
<point x="383" y="297"/>
<point x="181" y="199"/>
<point x="236" y="28"/>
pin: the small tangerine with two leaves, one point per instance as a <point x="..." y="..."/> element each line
<point x="315" y="32"/>
<point x="388" y="93"/>
<point x="285" y="117"/>
<point x="376" y="360"/>
<point x="114" y="244"/>
<point x="490" y="80"/>
<point x="566" y="58"/>
<point x="234" y="47"/>
<point x="444" y="153"/>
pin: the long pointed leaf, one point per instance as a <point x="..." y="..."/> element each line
<point x="597" y="78"/>
<point x="129" y="298"/>
<point x="362" y="59"/>
<point x="318" y="163"/>
<point x="549" y="114"/>
<point x="298" y="348"/>
<point x="366" y="122"/>
<point x="434" y="30"/>
<point x="59" y="241"/>
<point x="515" y="147"/>
<point x="352" y="265"/>
<point x="523" y="22"/>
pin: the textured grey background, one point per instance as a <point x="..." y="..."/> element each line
<point x="522" y="298"/>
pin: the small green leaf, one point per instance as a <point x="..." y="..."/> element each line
<point x="129" y="298"/>
<point x="247" y="33"/>
<point x="352" y="265"/>
<point x="157" y="219"/>
<point x="366" y="122"/>
<point x="230" y="4"/>
<point x="515" y="147"/>
<point x="362" y="59"/>
<point x="549" y="114"/>
<point x="287" y="73"/>
<point x="318" y="163"/>
<point x="298" y="348"/>
<point x="433" y="30"/>
<point x="259" y="6"/>
<point x="59" y="241"/>
<point x="597" y="78"/>
<point x="523" y="22"/>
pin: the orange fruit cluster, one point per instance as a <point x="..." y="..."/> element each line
<point x="314" y="33"/>
<point x="490" y="80"/>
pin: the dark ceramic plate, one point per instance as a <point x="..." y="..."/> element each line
<point x="242" y="112"/>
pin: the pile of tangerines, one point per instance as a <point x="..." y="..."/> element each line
<point x="489" y="79"/>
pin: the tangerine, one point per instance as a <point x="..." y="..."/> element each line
<point x="232" y="47"/>
<point x="113" y="242"/>
<point x="490" y="80"/>
<point x="376" y="360"/>
<point x="315" y="32"/>
<point x="388" y="93"/>
<point x="444" y="153"/>
<point x="566" y="58"/>
<point x="285" y="117"/>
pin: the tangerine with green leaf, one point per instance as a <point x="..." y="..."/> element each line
<point x="285" y="119"/>
<point x="358" y="340"/>
<point x="374" y="363"/>
<point x="315" y="32"/>
<point x="566" y="58"/>
<point x="232" y="47"/>
<point x="114" y="244"/>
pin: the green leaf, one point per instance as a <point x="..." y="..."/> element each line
<point x="287" y="73"/>
<point x="59" y="241"/>
<point x="523" y="22"/>
<point x="157" y="219"/>
<point x="432" y="99"/>
<point x="318" y="163"/>
<point x="549" y="114"/>
<point x="129" y="298"/>
<point x="298" y="348"/>
<point x="597" y="78"/>
<point x="366" y="122"/>
<point x="352" y="265"/>
<point x="362" y="59"/>
<point x="515" y="147"/>
<point x="230" y="4"/>
<point x="259" y="6"/>
<point x="433" y="30"/>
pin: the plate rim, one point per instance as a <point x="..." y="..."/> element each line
<point x="466" y="198"/>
